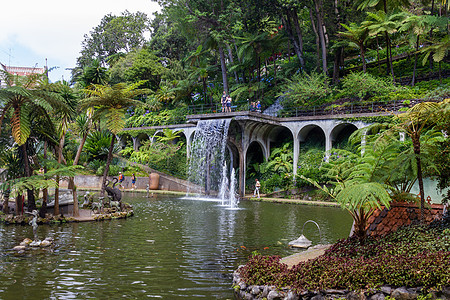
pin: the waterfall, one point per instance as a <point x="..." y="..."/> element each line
<point x="224" y="185"/>
<point x="233" y="200"/>
<point x="208" y="155"/>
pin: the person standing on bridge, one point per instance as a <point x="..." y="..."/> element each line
<point x="228" y="103"/>
<point x="223" y="101"/>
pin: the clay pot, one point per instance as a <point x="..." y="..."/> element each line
<point x="153" y="181"/>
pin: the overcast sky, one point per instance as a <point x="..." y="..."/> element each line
<point x="31" y="31"/>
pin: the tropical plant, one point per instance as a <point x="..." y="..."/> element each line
<point x="28" y="98"/>
<point x="357" y="36"/>
<point x="111" y="104"/>
<point x="357" y="182"/>
<point x="304" y="89"/>
<point x="281" y="159"/>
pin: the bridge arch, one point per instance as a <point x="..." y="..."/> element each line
<point x="340" y="134"/>
<point x="314" y="134"/>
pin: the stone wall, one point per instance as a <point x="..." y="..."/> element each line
<point x="167" y="183"/>
<point x="254" y="292"/>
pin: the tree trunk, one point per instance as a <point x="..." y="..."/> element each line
<point x="413" y="81"/>
<point x="224" y="69"/>
<point x="76" y="212"/>
<point x="6" y="201"/>
<point x="389" y="56"/>
<point x="30" y="195"/>
<point x="298" y="44"/>
<point x="337" y="65"/>
<point x="230" y="56"/>
<point x="416" y="146"/>
<point x="19" y="205"/>
<point x="321" y="32"/>
<point x="317" y="38"/>
<point x="363" y="59"/>
<point x="43" y="209"/>
<point x="60" y="148"/>
<point x="108" y="162"/>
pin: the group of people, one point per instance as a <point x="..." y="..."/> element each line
<point x="255" y="106"/>
<point x="226" y="102"/>
<point x="122" y="179"/>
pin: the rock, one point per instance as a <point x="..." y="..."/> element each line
<point x="446" y="292"/>
<point x="273" y="295"/>
<point x="255" y="290"/>
<point x="19" y="248"/>
<point x="46" y="243"/>
<point x="265" y="292"/>
<point x="377" y="296"/>
<point x="317" y="297"/>
<point x="248" y="297"/>
<point x="35" y="243"/>
<point x="291" y="296"/>
<point x="332" y="291"/>
<point x="403" y="294"/>
<point x="355" y="296"/>
<point x="386" y="289"/>
<point x="26" y="241"/>
<point x="242" y="285"/>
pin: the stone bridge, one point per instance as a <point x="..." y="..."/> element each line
<point x="252" y="135"/>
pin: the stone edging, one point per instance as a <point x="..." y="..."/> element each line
<point x="254" y="292"/>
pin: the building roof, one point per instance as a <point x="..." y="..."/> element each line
<point x="22" y="71"/>
<point x="384" y="221"/>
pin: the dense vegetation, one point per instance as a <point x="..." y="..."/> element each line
<point x="414" y="256"/>
<point x="311" y="52"/>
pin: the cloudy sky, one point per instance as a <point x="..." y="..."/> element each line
<point x="31" y="31"/>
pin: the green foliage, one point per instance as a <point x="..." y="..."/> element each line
<point x="97" y="145"/>
<point x="112" y="171"/>
<point x="412" y="256"/>
<point x="364" y="86"/>
<point x="306" y="89"/>
<point x="140" y="64"/>
<point x="114" y="34"/>
<point x="309" y="164"/>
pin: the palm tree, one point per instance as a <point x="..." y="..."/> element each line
<point x="111" y="103"/>
<point x="357" y="36"/>
<point x="417" y="26"/>
<point x="415" y="122"/>
<point x="25" y="97"/>
<point x="358" y="182"/>
<point x="381" y="22"/>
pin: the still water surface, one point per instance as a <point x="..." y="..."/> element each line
<point x="171" y="249"/>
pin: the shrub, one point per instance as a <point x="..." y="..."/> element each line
<point x="413" y="256"/>
<point x="309" y="164"/>
<point x="307" y="89"/>
<point x="365" y="86"/>
<point x="113" y="170"/>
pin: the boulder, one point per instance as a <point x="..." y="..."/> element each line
<point x="403" y="294"/>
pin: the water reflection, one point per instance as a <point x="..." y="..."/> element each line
<point x="170" y="249"/>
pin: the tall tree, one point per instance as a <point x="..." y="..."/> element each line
<point x="357" y="36"/>
<point x="111" y="103"/>
<point x="25" y="97"/>
<point x="115" y="34"/>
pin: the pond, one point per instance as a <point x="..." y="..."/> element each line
<point x="171" y="249"/>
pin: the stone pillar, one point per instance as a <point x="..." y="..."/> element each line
<point x="296" y="153"/>
<point x="328" y="145"/>
<point x="242" y="172"/>
<point x="136" y="144"/>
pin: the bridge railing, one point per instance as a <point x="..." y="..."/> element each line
<point x="305" y="111"/>
<point x="217" y="108"/>
<point x="351" y="108"/>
